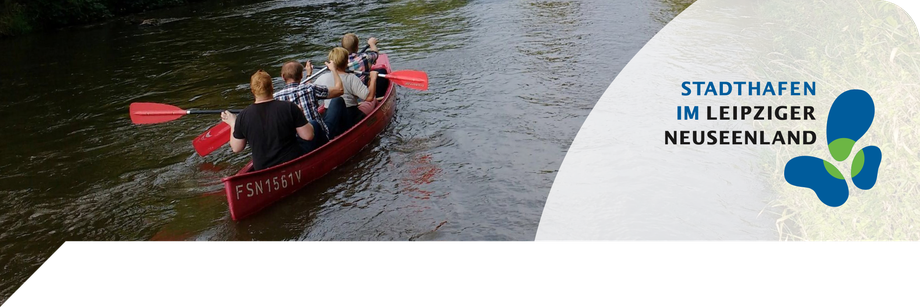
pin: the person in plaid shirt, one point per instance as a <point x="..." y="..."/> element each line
<point x="364" y="61"/>
<point x="306" y="96"/>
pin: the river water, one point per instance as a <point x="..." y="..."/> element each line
<point x="473" y="158"/>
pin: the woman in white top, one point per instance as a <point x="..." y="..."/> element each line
<point x="340" y="120"/>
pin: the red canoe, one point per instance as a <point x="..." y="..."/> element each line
<point x="250" y="191"/>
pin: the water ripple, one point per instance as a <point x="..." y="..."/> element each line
<point x="470" y="159"/>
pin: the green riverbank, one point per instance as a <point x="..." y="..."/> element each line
<point x="877" y="41"/>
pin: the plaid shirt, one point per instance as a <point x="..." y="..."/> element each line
<point x="362" y="62"/>
<point x="306" y="95"/>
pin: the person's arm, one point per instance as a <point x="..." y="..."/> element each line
<point x="372" y="42"/>
<point x="370" y="56"/>
<point x="371" y="86"/>
<point x="237" y="145"/>
<point x="337" y="89"/>
<point x="308" y="71"/>
<point x="305" y="132"/>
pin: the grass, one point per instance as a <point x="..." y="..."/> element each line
<point x="869" y="45"/>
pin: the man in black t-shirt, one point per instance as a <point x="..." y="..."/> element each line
<point x="268" y="126"/>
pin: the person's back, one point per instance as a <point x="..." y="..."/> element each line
<point x="305" y="96"/>
<point x="354" y="90"/>
<point x="364" y="61"/>
<point x="269" y="128"/>
<point x="268" y="125"/>
<point x="360" y="61"/>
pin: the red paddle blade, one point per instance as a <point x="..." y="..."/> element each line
<point x="410" y="78"/>
<point x="154" y="113"/>
<point x="212" y="139"/>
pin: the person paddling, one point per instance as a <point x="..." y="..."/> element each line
<point x="354" y="90"/>
<point x="306" y="96"/>
<point x="268" y="126"/>
<point x="364" y="61"/>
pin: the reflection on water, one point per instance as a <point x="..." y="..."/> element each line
<point x="417" y="28"/>
<point x="420" y="173"/>
<point x="471" y="159"/>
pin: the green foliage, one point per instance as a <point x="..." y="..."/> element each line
<point x="55" y="13"/>
<point x="671" y="8"/>
<point x="866" y="44"/>
<point x="13" y="20"/>
<point x="21" y="16"/>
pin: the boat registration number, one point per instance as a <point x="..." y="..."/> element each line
<point x="256" y="188"/>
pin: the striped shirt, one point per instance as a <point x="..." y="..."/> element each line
<point x="306" y="95"/>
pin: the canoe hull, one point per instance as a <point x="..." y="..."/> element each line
<point x="249" y="192"/>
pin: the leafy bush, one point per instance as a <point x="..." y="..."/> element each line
<point x="21" y="16"/>
<point x="13" y="19"/>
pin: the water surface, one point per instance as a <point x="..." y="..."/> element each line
<point x="473" y="158"/>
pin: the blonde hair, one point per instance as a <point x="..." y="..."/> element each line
<point x="292" y="70"/>
<point x="350" y="42"/>
<point x="261" y="84"/>
<point x="339" y="57"/>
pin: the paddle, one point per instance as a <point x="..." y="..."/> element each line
<point x="155" y="113"/>
<point x="212" y="139"/>
<point x="413" y="79"/>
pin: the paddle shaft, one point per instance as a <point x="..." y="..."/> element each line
<point x="179" y="112"/>
<point x="316" y="74"/>
<point x="359" y="73"/>
<point x="365" y="73"/>
<point x="213" y="111"/>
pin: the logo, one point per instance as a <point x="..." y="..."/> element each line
<point x="848" y="120"/>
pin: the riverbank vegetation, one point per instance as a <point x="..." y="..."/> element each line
<point x="23" y="16"/>
<point x="671" y="8"/>
<point x="869" y="45"/>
